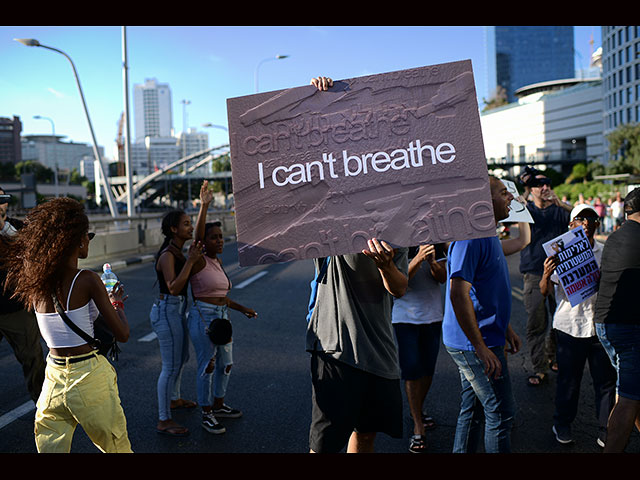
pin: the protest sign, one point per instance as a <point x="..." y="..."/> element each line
<point x="517" y="209"/>
<point x="578" y="272"/>
<point x="396" y="156"/>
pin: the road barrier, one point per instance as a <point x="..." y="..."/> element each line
<point x="119" y="239"/>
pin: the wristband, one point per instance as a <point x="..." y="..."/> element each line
<point x="118" y="305"/>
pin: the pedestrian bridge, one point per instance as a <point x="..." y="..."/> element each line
<point x="147" y="188"/>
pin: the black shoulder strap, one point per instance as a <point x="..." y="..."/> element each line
<point x="84" y="335"/>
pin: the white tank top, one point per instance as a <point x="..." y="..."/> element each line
<point x="57" y="334"/>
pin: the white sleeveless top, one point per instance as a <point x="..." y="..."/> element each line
<point x="57" y="334"/>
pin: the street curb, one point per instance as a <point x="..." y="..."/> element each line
<point x="119" y="264"/>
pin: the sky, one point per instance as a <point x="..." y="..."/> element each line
<point x="208" y="65"/>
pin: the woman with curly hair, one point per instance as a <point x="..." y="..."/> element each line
<point x="80" y="386"/>
<point x="168" y="315"/>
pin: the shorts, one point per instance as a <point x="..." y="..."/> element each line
<point x="418" y="346"/>
<point x="622" y="343"/>
<point x="346" y="399"/>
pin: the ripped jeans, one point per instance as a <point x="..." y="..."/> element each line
<point x="200" y="316"/>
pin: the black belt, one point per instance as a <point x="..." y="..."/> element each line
<point x="60" y="361"/>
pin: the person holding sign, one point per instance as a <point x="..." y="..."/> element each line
<point x="475" y="330"/>
<point x="550" y="217"/>
<point x="577" y="342"/>
<point x="618" y="322"/>
<point x="354" y="360"/>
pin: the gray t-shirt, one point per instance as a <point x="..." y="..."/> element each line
<point x="351" y="320"/>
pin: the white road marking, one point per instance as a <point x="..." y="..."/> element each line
<point x="251" y="279"/>
<point x="148" y="338"/>
<point x="16" y="413"/>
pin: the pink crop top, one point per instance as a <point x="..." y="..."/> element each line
<point x="211" y="281"/>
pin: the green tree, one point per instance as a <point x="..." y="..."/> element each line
<point x="43" y="174"/>
<point x="497" y="99"/>
<point x="221" y="164"/>
<point x="624" y="144"/>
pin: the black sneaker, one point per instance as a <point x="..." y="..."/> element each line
<point x="211" y="425"/>
<point x="562" y="433"/>
<point x="227" y="412"/>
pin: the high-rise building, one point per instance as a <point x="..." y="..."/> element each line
<point x="620" y="76"/>
<point x="518" y="56"/>
<point x="10" y="148"/>
<point x="152" y="110"/>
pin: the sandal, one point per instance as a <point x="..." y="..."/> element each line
<point x="428" y="422"/>
<point x="174" y="431"/>
<point x="418" y="444"/>
<point x="181" y="403"/>
<point x="538" y="379"/>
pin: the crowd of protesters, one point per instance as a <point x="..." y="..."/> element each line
<point x="376" y="323"/>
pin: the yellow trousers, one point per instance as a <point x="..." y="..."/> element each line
<point x="86" y="393"/>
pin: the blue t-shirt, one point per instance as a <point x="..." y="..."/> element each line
<point x="482" y="263"/>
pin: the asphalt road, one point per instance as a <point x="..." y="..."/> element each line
<point x="270" y="381"/>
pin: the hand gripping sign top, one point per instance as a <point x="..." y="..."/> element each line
<point x="396" y="156"/>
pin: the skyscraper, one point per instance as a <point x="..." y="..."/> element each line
<point x="152" y="110"/>
<point x="620" y="75"/>
<point x="522" y="55"/>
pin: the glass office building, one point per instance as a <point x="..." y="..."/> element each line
<point x="620" y="75"/>
<point x="518" y="56"/>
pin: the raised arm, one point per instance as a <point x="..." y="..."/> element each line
<point x="395" y="282"/>
<point x="177" y="280"/>
<point x="550" y="264"/>
<point x="206" y="196"/>
<point x="514" y="245"/>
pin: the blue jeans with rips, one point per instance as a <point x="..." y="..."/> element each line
<point x="200" y="316"/>
<point x="169" y="322"/>
<point x="491" y="398"/>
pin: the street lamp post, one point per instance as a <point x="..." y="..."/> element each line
<point x="277" y="57"/>
<point x="55" y="153"/>
<point x="31" y="42"/>
<point x="127" y="144"/>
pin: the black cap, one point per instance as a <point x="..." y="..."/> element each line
<point x="632" y="202"/>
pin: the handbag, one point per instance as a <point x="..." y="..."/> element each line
<point x="103" y="340"/>
<point x="219" y="330"/>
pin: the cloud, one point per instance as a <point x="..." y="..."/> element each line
<point x="55" y="92"/>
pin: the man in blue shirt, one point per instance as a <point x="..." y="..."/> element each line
<point x="475" y="330"/>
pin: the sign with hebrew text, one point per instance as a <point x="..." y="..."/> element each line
<point x="396" y="156"/>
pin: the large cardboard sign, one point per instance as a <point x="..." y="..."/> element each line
<point x="397" y="156"/>
<point x="577" y="271"/>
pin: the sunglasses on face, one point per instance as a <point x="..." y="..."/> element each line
<point x="590" y="220"/>
<point x="91" y="235"/>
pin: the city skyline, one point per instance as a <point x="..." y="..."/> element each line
<point x="207" y="65"/>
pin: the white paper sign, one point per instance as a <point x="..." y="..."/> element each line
<point x="577" y="270"/>
<point x="517" y="210"/>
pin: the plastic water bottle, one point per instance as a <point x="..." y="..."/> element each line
<point x="108" y="277"/>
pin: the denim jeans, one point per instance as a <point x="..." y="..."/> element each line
<point x="200" y="316"/>
<point x="622" y="343"/>
<point x="169" y="322"/>
<point x="483" y="396"/>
